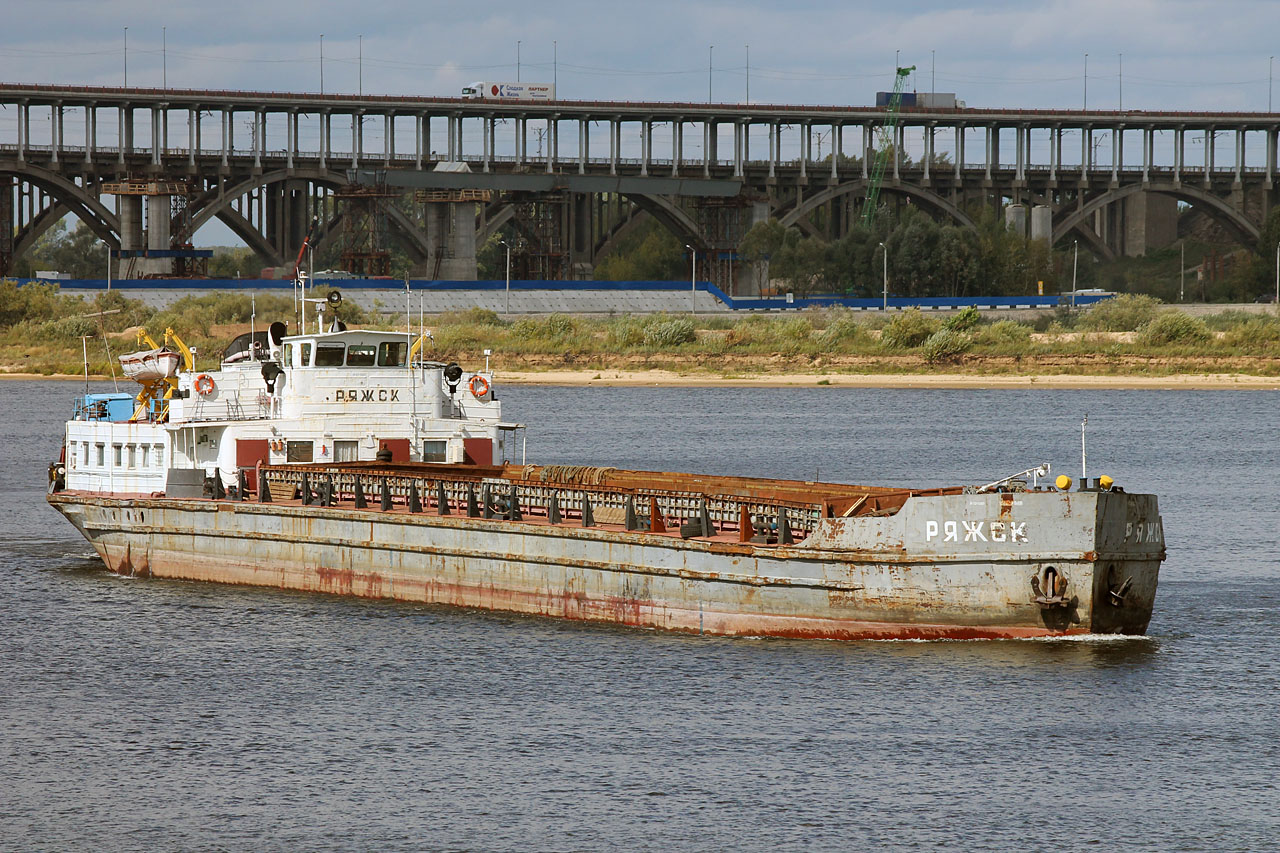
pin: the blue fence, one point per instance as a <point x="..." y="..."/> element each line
<point x="740" y="303"/>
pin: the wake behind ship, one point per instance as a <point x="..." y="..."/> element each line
<point x="345" y="462"/>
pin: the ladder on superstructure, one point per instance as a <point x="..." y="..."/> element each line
<point x="887" y="144"/>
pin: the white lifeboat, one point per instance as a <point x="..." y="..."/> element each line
<point x="150" y="365"/>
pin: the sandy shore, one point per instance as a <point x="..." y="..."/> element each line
<point x="842" y="380"/>
<point x="668" y="378"/>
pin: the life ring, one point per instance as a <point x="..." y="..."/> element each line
<point x="204" y="385"/>
<point x="483" y="385"/>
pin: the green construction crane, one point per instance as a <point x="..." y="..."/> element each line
<point x="887" y="143"/>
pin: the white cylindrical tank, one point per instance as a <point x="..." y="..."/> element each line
<point x="1015" y="219"/>
<point x="1042" y="223"/>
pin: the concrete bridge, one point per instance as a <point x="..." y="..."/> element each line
<point x="146" y="168"/>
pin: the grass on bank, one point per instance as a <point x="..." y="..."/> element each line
<point x="41" y="331"/>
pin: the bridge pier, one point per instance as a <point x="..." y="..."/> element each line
<point x="7" y="188"/>
<point x="449" y="218"/>
<point x="158" y="219"/>
<point x="129" y="209"/>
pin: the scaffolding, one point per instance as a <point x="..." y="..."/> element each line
<point x="540" y="253"/>
<point x="724" y="222"/>
<point x="364" y="230"/>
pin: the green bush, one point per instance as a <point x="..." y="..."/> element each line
<point x="1002" y="333"/>
<point x="624" y="332"/>
<point x="669" y="332"/>
<point x="1252" y="332"/>
<point x="1126" y="313"/>
<point x="66" y="328"/>
<point x="747" y="331"/>
<point x="946" y="345"/>
<point x="35" y="302"/>
<point x="1226" y="320"/>
<point x="552" y="327"/>
<point x="842" y="330"/>
<point x="1174" y="327"/>
<point x="908" y="330"/>
<point x="963" y="321"/>
<point x="793" y="329"/>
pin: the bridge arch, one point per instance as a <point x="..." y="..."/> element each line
<point x="219" y="206"/>
<point x="25" y="238"/>
<point x="674" y="217"/>
<point x="1219" y="209"/>
<point x="927" y="197"/>
<point x="78" y="200"/>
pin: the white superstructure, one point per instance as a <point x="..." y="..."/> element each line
<point x="340" y="396"/>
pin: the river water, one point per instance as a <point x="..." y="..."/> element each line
<point x="144" y="715"/>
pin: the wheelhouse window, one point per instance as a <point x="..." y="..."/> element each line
<point x="299" y="451"/>
<point x="102" y="455"/>
<point x="392" y="353"/>
<point x="329" y="355"/>
<point x="435" y="451"/>
<point x="118" y="455"/>
<point x="288" y="355"/>
<point x="361" y="355"/>
<point x="345" y="451"/>
<point x="306" y="355"/>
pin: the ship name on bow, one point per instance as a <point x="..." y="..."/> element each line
<point x="367" y="395"/>
<point x="976" y="531"/>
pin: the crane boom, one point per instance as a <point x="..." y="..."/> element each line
<point x="872" y="199"/>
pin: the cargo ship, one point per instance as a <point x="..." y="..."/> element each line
<point x="346" y="462"/>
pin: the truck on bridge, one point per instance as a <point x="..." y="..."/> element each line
<point x="925" y="100"/>
<point x="483" y="91"/>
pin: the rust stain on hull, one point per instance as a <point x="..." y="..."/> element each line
<point x="601" y="575"/>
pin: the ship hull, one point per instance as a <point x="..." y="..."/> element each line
<point x="639" y="579"/>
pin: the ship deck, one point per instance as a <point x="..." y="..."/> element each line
<point x="723" y="510"/>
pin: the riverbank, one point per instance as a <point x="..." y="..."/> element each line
<point x="1126" y="342"/>
<point x="667" y="378"/>
<point x="801" y="379"/>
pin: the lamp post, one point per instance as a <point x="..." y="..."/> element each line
<point x="1086" y="82"/>
<point x="693" y="285"/>
<point x="1120" y="77"/>
<point x="508" y="245"/>
<point x="322" y="63"/>
<point x="164" y="58"/>
<point x="360" y="64"/>
<point x="710" y="52"/>
<point x="126" y="57"/>
<point x="517" y="60"/>
<point x="1075" y="263"/>
<point x="884" y="253"/>
<point x="748" y="75"/>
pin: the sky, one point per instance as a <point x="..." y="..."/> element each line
<point x="1175" y="54"/>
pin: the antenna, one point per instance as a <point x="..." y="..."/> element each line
<point x="1084" y="469"/>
